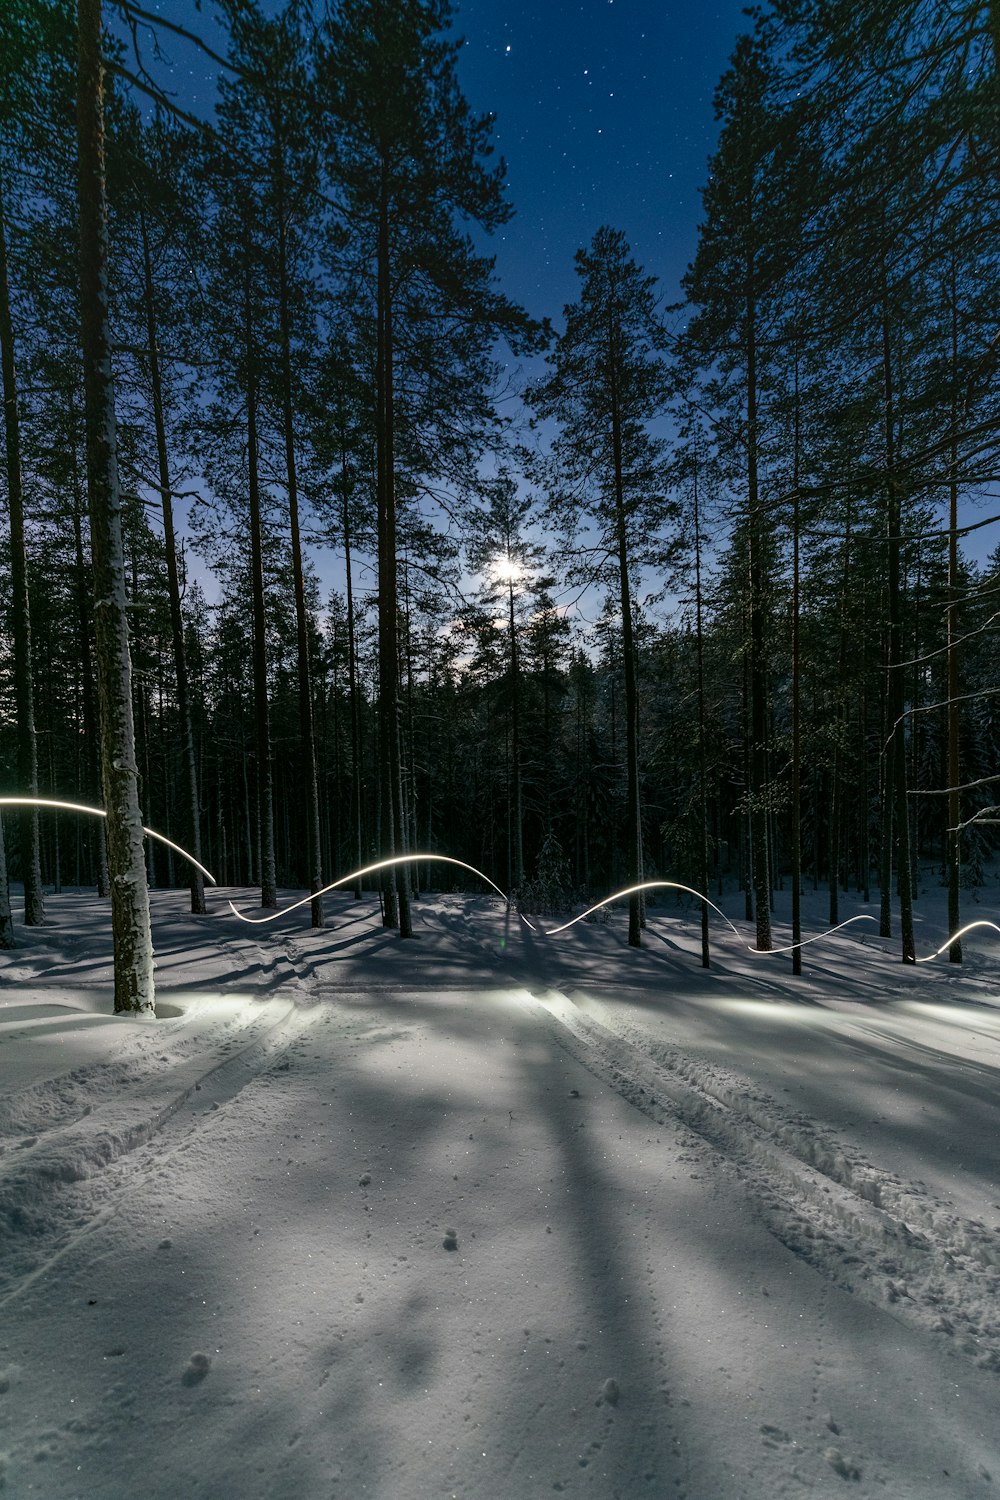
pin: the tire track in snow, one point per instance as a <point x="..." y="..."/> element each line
<point x="855" y="1223"/>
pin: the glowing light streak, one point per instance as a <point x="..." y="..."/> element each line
<point x="381" y="864"/>
<point x="446" y="859"/>
<point x="99" y="812"/>
<point x="675" y="885"/>
<point x="816" y="938"/>
<point x="632" y="890"/>
<point x="955" y="937"/>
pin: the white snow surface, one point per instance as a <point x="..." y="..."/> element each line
<point x="492" y="1215"/>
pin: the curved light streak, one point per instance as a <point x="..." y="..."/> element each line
<point x="99" y="812"/>
<point x="955" y="937"/>
<point x="446" y="859"/>
<point x="817" y="937"/>
<point x="632" y="890"/>
<point x="381" y="864"/>
<point x="675" y="885"/>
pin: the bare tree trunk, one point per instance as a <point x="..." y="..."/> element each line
<point x="895" y="697"/>
<point x="840" y="733"/>
<point x="515" y="746"/>
<point x="757" y="567"/>
<point x="6" y="916"/>
<point x="633" y="842"/>
<point x="397" y="892"/>
<point x="99" y="845"/>
<point x="192" y="801"/>
<point x="352" y="668"/>
<point x="954" y="795"/>
<point x="702" y="755"/>
<point x="24" y="699"/>
<point x="314" y="856"/>
<point x="262" y="718"/>
<point x="796" y="696"/>
<point x="133" y="947"/>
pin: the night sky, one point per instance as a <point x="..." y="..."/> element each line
<point x="604" y="116"/>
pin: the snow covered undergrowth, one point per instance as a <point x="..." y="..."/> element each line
<point x="489" y="1214"/>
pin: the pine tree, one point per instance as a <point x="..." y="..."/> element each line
<point x="408" y="159"/>
<point x="607" y="385"/>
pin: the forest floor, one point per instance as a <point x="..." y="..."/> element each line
<point x="496" y="1215"/>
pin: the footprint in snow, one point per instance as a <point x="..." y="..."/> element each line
<point x="198" y="1367"/>
<point x="840" y="1465"/>
<point x="450" y="1241"/>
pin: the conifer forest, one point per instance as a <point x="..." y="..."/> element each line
<point x="318" y="549"/>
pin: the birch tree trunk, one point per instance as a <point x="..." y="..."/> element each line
<point x="133" y="947"/>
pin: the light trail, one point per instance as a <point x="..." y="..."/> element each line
<point x="99" y="812"/>
<point x="382" y="864"/>
<point x="446" y="859"/>
<point x="632" y="890"/>
<point x="955" y="937"/>
<point x="675" y="885"/>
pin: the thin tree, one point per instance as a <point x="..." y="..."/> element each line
<point x="606" y="386"/>
<point x="408" y="159"/>
<point x="24" y="698"/>
<point x="191" y="798"/>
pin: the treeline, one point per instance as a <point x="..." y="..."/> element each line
<point x="761" y="493"/>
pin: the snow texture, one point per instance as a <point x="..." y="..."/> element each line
<point x="488" y="1214"/>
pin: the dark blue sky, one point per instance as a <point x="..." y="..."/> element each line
<point x="604" y="115"/>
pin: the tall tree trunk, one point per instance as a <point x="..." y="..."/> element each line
<point x="515" y="747"/>
<point x="796" y="692"/>
<point x="262" y="717"/>
<point x="393" y="825"/>
<point x="314" y="854"/>
<point x="352" y="666"/>
<point x="895" y="697"/>
<point x="702" y="749"/>
<point x="839" y="733"/>
<point x="633" y="848"/>
<point x="24" y="699"/>
<point x="192" y="800"/>
<point x="886" y="772"/>
<point x="99" y="844"/>
<point x="954" y="767"/>
<point x="757" y="565"/>
<point x="411" y="801"/>
<point x="133" y="947"/>
<point x="6" y="915"/>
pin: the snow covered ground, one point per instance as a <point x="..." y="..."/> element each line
<point x="493" y="1215"/>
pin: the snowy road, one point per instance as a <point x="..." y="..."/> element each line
<point x="484" y="1217"/>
